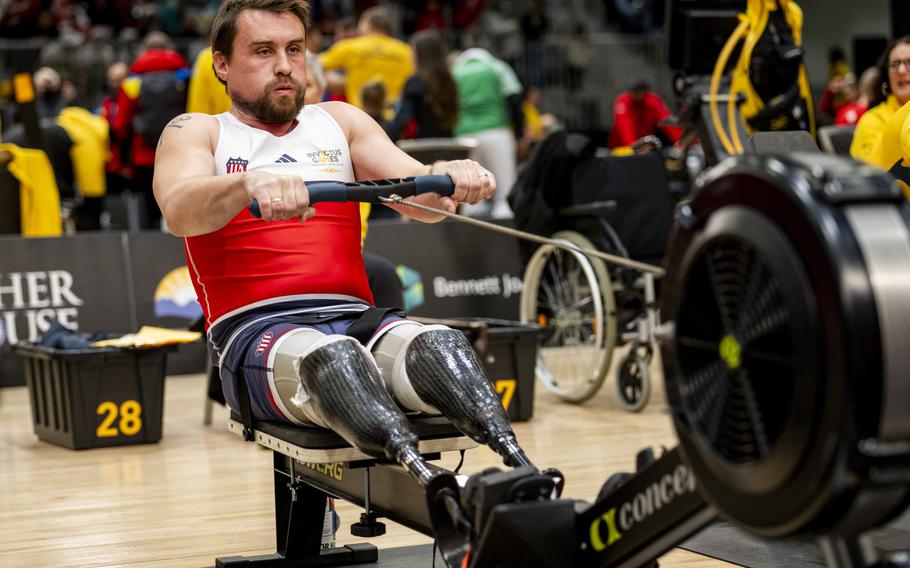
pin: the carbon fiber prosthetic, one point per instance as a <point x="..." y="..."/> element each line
<point x="346" y="388"/>
<point x="445" y="372"/>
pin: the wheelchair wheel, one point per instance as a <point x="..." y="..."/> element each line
<point x="571" y="296"/>
<point x="633" y="384"/>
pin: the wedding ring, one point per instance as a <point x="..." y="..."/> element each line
<point x="276" y="200"/>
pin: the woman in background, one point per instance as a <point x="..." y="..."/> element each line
<point x="893" y="94"/>
<point x="429" y="101"/>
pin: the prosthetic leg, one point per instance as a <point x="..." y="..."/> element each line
<point x="433" y="368"/>
<point x="340" y="388"/>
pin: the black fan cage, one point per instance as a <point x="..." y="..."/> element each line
<point x="734" y="343"/>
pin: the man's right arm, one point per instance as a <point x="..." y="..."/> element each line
<point x="194" y="200"/>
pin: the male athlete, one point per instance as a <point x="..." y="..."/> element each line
<point x="280" y="293"/>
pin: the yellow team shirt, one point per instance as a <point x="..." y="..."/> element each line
<point x="206" y="93"/>
<point x="893" y="148"/>
<point x="89" y="153"/>
<point x="368" y="58"/>
<point x="39" y="199"/>
<point x="532" y="120"/>
<point x="870" y="128"/>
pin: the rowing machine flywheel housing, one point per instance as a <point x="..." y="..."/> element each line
<point x="788" y="368"/>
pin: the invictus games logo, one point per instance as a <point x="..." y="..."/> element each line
<point x="176" y="297"/>
<point x="326" y="157"/>
<point x="236" y="165"/>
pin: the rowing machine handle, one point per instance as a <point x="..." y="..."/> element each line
<point x="370" y="191"/>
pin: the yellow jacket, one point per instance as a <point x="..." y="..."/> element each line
<point x="206" y="93"/>
<point x="892" y="150"/>
<point x="39" y="199"/>
<point x="870" y="128"/>
<point x="90" y="150"/>
<point x="367" y="58"/>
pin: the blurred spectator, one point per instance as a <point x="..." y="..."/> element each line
<point x="345" y="28"/>
<point x="537" y="125"/>
<point x="57" y="145"/>
<point x="534" y="26"/>
<point x="489" y="102"/>
<point x="892" y="94"/>
<point x="841" y="84"/>
<point x="637" y="113"/>
<point x="48" y="86"/>
<point x="429" y="101"/>
<point x="198" y="16"/>
<point x="206" y="93"/>
<point x="850" y="113"/>
<point x="326" y="13"/>
<point x="25" y="18"/>
<point x="90" y="136"/>
<point x="375" y="55"/>
<point x="635" y="16"/>
<point x="431" y="17"/>
<point x="474" y="36"/>
<point x="154" y="93"/>
<point x="69" y="94"/>
<point x="315" y="80"/>
<point x="505" y="31"/>
<point x="76" y="144"/>
<point x="841" y="90"/>
<point x="837" y="63"/>
<point x="578" y="56"/>
<point x="119" y="148"/>
<point x="466" y="13"/>
<point x="373" y="98"/>
<point x="90" y="63"/>
<point x="314" y="39"/>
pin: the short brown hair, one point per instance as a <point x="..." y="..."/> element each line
<point x="378" y="19"/>
<point x="224" y="28"/>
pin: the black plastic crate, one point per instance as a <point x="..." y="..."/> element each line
<point x="508" y="351"/>
<point x="95" y="398"/>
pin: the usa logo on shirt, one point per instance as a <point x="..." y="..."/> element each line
<point x="236" y="165"/>
<point x="264" y="343"/>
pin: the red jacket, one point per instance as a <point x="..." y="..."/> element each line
<point x="141" y="154"/>
<point x="108" y="111"/>
<point x="635" y="119"/>
<point x="850" y="113"/>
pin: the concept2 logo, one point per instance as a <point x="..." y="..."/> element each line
<point x="610" y="527"/>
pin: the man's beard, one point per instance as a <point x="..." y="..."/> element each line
<point x="285" y="109"/>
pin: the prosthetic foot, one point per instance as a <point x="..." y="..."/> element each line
<point x="345" y="389"/>
<point x="438" y="366"/>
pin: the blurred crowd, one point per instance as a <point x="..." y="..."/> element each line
<point x="430" y="69"/>
<point x="425" y="69"/>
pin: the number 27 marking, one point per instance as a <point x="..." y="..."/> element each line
<point x="506" y="388"/>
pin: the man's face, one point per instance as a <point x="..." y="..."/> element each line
<point x="266" y="74"/>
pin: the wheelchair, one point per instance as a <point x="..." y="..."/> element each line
<point x="619" y="205"/>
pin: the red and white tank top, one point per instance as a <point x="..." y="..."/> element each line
<point x="252" y="263"/>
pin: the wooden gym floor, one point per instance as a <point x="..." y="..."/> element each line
<point x="202" y="493"/>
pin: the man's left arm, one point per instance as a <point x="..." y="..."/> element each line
<point x="375" y="156"/>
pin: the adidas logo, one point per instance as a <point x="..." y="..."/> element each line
<point x="285" y="159"/>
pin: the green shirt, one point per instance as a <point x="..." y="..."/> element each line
<point x="483" y="83"/>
